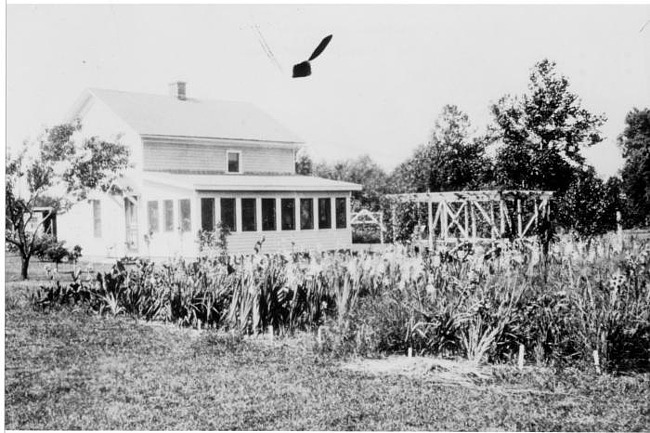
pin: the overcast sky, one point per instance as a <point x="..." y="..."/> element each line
<point x="376" y="89"/>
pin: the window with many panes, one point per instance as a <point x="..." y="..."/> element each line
<point x="152" y="212"/>
<point x="248" y="215"/>
<point x="168" y="214"/>
<point x="341" y="213"/>
<point x="268" y="214"/>
<point x="306" y="213"/>
<point x="207" y="214"/>
<point x="324" y="213"/>
<point x="288" y="210"/>
<point x="185" y="215"/>
<point x="228" y="214"/>
<point x="233" y="160"/>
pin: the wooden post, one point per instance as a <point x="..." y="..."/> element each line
<point x="597" y="361"/>
<point x="381" y="228"/>
<point x="519" y="228"/>
<point x="393" y="214"/>
<point x="467" y="203"/>
<point x="493" y="226"/>
<point x="473" y="221"/>
<point x="443" y="220"/>
<point x="430" y="224"/>
<point x="410" y="352"/>
<point x="502" y="218"/>
<point x="619" y="227"/>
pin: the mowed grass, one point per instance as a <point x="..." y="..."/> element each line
<point x="68" y="369"/>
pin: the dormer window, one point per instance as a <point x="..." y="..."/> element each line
<point x="233" y="161"/>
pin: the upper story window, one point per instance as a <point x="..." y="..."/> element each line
<point x="233" y="161"/>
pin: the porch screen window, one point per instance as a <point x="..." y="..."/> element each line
<point x="306" y="213"/>
<point x="341" y="213"/>
<point x="97" y="218"/>
<point x="324" y="213"/>
<point x="233" y="162"/>
<point x="168" y="212"/>
<point x="185" y="215"/>
<point x="248" y="215"/>
<point x="288" y="208"/>
<point x="152" y="212"/>
<point x="268" y="214"/>
<point x="228" y="207"/>
<point x="207" y="214"/>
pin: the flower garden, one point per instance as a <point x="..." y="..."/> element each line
<point x="584" y="303"/>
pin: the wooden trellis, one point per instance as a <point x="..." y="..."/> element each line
<point x="468" y="215"/>
<point x="364" y="216"/>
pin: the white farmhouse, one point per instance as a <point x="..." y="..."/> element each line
<point x="195" y="163"/>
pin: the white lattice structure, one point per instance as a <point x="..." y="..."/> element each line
<point x="364" y="216"/>
<point x="477" y="215"/>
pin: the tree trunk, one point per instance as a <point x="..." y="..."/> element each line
<point x="24" y="266"/>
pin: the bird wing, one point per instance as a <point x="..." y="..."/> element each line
<point x="321" y="47"/>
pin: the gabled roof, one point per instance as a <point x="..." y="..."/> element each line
<point x="236" y="182"/>
<point x="161" y="115"/>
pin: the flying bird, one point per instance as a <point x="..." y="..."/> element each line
<point x="303" y="69"/>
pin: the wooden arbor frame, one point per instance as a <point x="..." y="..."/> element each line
<point x="364" y="216"/>
<point x="458" y="215"/>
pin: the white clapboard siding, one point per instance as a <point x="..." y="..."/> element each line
<point x="76" y="227"/>
<point x="301" y="240"/>
<point x="160" y="155"/>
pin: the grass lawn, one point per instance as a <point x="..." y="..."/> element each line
<point x="72" y="370"/>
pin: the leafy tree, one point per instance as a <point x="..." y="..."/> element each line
<point x="304" y="163"/>
<point x="56" y="171"/>
<point x="362" y="170"/>
<point x="635" y="143"/>
<point x="542" y="133"/>
<point x="588" y="206"/>
<point x="452" y="160"/>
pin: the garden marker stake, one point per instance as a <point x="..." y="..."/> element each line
<point x="520" y="360"/>
<point x="410" y="352"/>
<point x="597" y="361"/>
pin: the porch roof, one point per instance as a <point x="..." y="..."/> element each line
<point x="239" y="182"/>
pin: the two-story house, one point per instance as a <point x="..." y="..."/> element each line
<point x="196" y="163"/>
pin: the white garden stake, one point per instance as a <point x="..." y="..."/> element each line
<point x="520" y="360"/>
<point x="597" y="361"/>
<point x="320" y="335"/>
<point x="269" y="330"/>
<point x="410" y="352"/>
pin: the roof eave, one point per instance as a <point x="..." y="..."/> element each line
<point x="288" y="144"/>
<point x="271" y="188"/>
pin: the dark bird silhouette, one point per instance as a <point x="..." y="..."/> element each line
<point x="303" y="69"/>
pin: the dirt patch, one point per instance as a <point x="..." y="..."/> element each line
<point x="446" y="371"/>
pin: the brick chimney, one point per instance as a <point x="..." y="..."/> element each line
<point x="177" y="90"/>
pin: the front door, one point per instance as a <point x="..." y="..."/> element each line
<point x="131" y="220"/>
